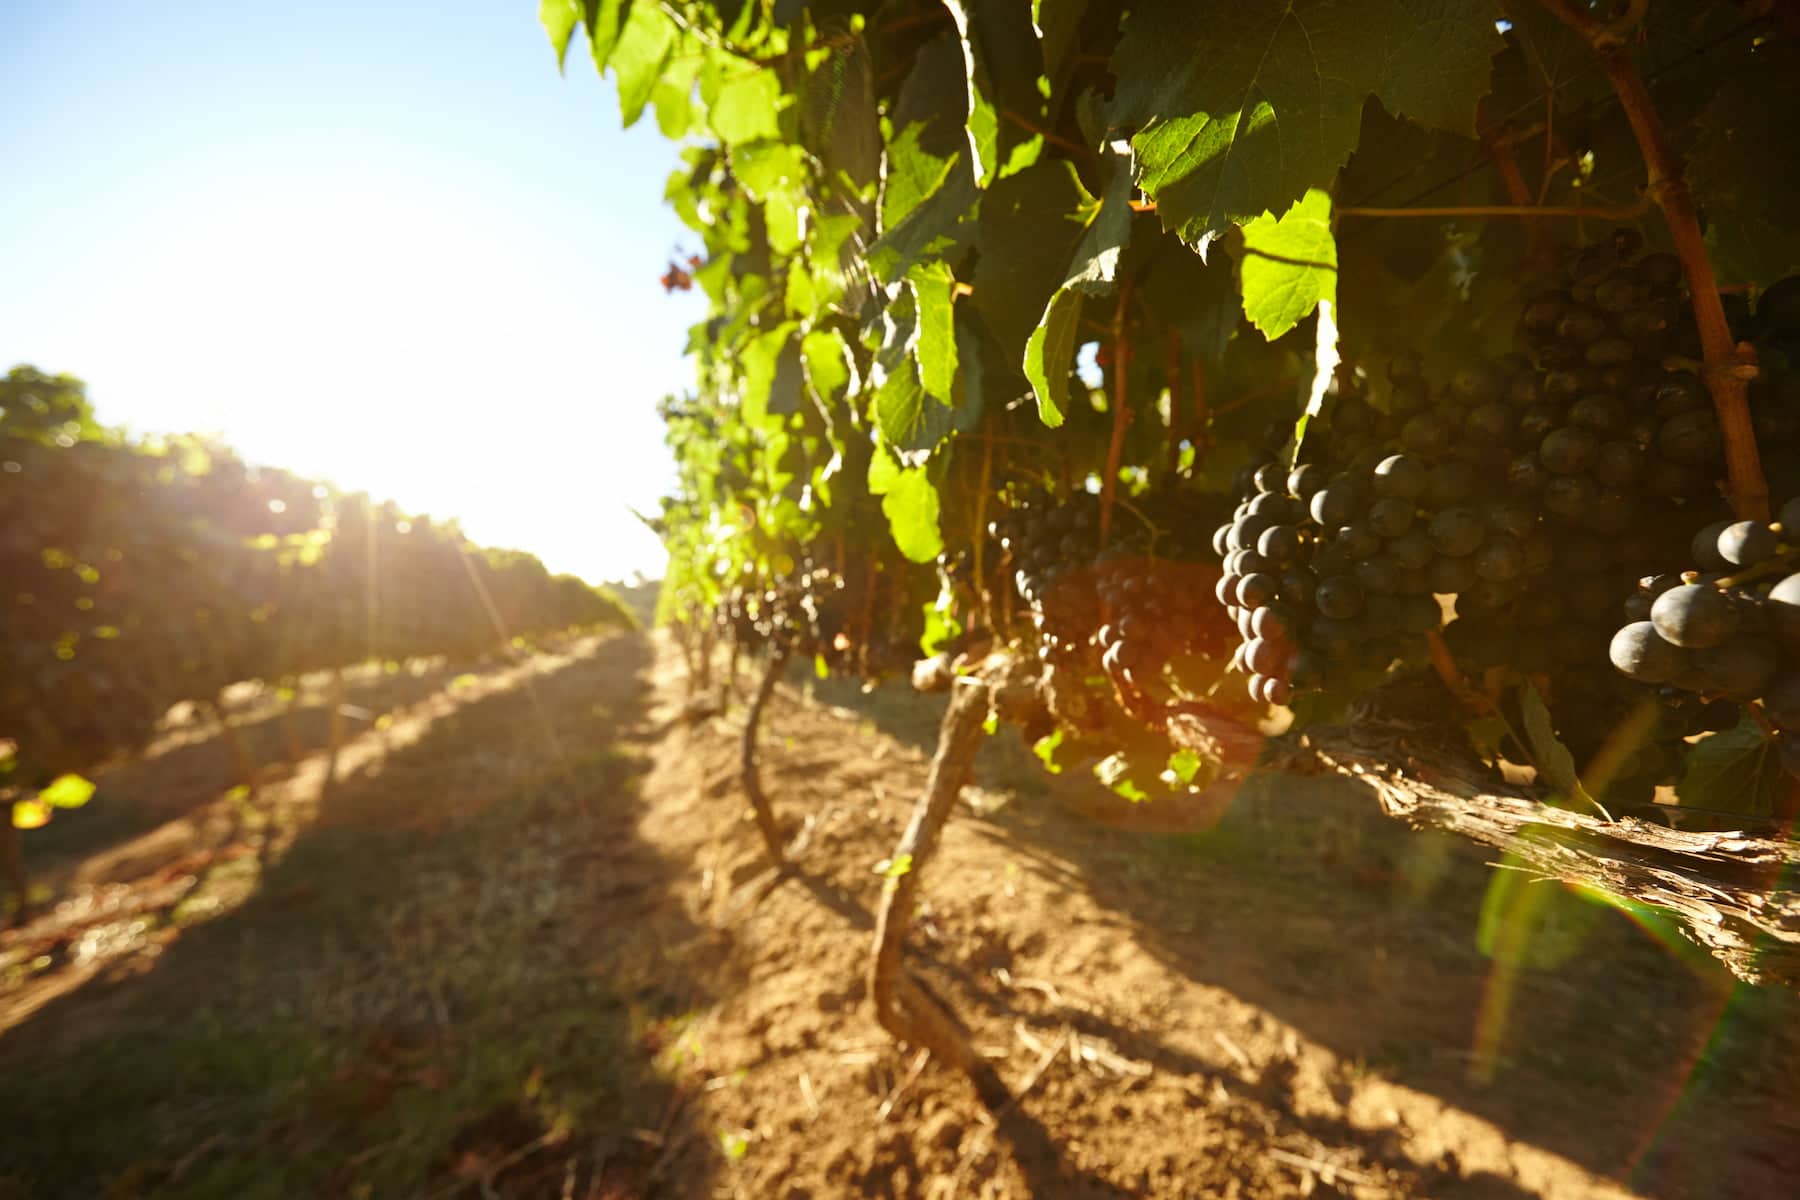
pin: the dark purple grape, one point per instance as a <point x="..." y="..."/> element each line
<point x="1500" y="560"/>
<point x="1457" y="531"/>
<point x="1400" y="476"/>
<point x="1339" y="598"/>
<point x="1568" y="451"/>
<point x="1691" y="438"/>
<point x="1746" y="543"/>
<point x="1739" y="667"/>
<point x="1279" y="544"/>
<point x="1391" y="517"/>
<point x="1704" y="549"/>
<point x="1781" y="703"/>
<point x="1694" y="615"/>
<point x="1254" y="591"/>
<point x="1336" y="504"/>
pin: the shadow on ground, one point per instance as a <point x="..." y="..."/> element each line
<point x="438" y="988"/>
<point x="1605" y="1045"/>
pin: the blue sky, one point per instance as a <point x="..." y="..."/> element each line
<point x="384" y="244"/>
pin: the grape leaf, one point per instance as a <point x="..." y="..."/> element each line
<point x="928" y="134"/>
<point x="30" y="814"/>
<point x="1093" y="269"/>
<point x="559" y="18"/>
<point x="911" y="505"/>
<point x="1058" y="26"/>
<point x="1239" y="109"/>
<point x="1746" y="189"/>
<point x="1735" y="770"/>
<point x="1289" y="265"/>
<point x="745" y="108"/>
<point x="934" y="294"/>
<point x="1556" y="766"/>
<point x="605" y="21"/>
<point x="1050" y="355"/>
<point x="638" y="57"/>
<point x="1027" y="231"/>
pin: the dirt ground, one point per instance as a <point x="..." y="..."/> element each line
<point x="527" y="946"/>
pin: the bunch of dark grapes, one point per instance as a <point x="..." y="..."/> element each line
<point x="806" y="610"/>
<point x="1135" y="607"/>
<point x="1533" y="488"/>
<point x="1727" y="634"/>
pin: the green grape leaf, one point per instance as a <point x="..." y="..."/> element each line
<point x="1239" y="109"/>
<point x="934" y="293"/>
<point x="828" y="364"/>
<point x="911" y="505"/>
<point x="1027" y="231"/>
<point x="759" y="361"/>
<point x="1050" y="355"/>
<point x="67" y="791"/>
<point x="1735" y="770"/>
<point x="1195" y="297"/>
<point x="639" y="57"/>
<point x="605" y="21"/>
<point x="1747" y="192"/>
<point x="1058" y="27"/>
<point x="559" y="18"/>
<point x="1289" y="265"/>
<point x="1002" y="65"/>
<point x="1556" y="766"/>
<point x="1094" y="268"/>
<point x="928" y="136"/>
<point x="746" y="108"/>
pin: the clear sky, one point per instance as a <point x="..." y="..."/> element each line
<point x="382" y="244"/>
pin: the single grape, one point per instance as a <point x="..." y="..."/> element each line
<point x="1272" y="621"/>
<point x="1600" y="414"/>
<point x="1391" y="517"/>
<point x="1220" y="541"/>
<point x="1450" y="483"/>
<point x="1254" y="591"/>
<point x="1691" y="438"/>
<point x="1339" y="598"/>
<point x="1379" y="576"/>
<point x="1401" y="476"/>
<point x="1568" y="451"/>
<point x="1570" y="496"/>
<point x="1746" y="543"/>
<point x="1455" y="532"/>
<point x="1449" y="576"/>
<point x="1740" y="667"/>
<point x="1306" y="479"/>
<point x="1297" y="586"/>
<point x="1781" y="703"/>
<point x="1356" y="541"/>
<point x="1269" y="478"/>
<point x="1266" y="657"/>
<point x="1694" y="615"/>
<point x="1704" y="549"/>
<point x="1782" y="611"/>
<point x="1618" y="464"/>
<point x="1336" y="504"/>
<point x="1412" y="550"/>
<point x="1501" y="560"/>
<point x="1277" y="691"/>
<point x="1789" y="516"/>
<point x="1279" y="544"/>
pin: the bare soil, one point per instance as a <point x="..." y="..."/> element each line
<point x="528" y="945"/>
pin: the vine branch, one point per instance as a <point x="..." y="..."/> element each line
<point x="1121" y="336"/>
<point x="1668" y="187"/>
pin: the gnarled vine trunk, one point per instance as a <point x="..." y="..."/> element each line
<point x="903" y="1004"/>
<point x="759" y="800"/>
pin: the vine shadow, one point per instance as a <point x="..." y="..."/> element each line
<point x="427" y="987"/>
<point x="1308" y="903"/>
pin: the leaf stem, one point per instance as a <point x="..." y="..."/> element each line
<point x="1668" y="187"/>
